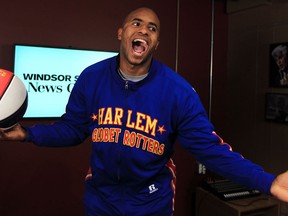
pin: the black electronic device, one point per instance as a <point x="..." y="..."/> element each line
<point x="228" y="190"/>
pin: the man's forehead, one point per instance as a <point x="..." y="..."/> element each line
<point x="143" y="14"/>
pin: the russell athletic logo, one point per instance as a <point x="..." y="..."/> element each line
<point x="152" y="189"/>
<point x="2" y="73"/>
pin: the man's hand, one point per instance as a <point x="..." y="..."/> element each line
<point x="279" y="187"/>
<point x="16" y="133"/>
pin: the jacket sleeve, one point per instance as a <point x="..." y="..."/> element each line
<point x="197" y="135"/>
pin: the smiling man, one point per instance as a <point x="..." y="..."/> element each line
<point x="134" y="108"/>
<point x="139" y="37"/>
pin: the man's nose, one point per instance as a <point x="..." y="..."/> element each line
<point x="144" y="29"/>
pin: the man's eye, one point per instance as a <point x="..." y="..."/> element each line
<point x="136" y="23"/>
<point x="153" y="29"/>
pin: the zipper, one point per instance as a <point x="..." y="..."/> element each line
<point x="120" y="149"/>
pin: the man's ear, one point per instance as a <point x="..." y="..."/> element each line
<point x="157" y="44"/>
<point x="119" y="33"/>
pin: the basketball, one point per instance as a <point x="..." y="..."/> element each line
<point x="13" y="99"/>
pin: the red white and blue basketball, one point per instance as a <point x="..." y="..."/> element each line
<point x="13" y="99"/>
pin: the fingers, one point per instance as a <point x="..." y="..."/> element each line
<point x="16" y="133"/>
<point x="1" y="134"/>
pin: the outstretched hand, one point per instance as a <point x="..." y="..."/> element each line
<point x="16" y="133"/>
<point x="279" y="187"/>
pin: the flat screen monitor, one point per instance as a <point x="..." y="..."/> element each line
<point x="49" y="74"/>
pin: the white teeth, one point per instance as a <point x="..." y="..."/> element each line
<point x="140" y="40"/>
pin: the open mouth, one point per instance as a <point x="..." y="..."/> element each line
<point x="139" y="45"/>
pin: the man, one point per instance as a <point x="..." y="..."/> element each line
<point x="135" y="108"/>
<point x="279" y="54"/>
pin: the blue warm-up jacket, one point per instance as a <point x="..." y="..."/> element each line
<point x="133" y="128"/>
